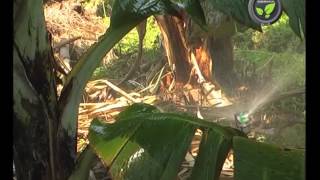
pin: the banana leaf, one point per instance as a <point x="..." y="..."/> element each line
<point x="238" y="10"/>
<point x="261" y="161"/>
<point x="295" y="10"/>
<point x="146" y="144"/>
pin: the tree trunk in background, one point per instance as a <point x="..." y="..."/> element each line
<point x="204" y="60"/>
<point x="40" y="151"/>
<point x="189" y="58"/>
<point x="221" y="50"/>
<point x="178" y="50"/>
<point x="175" y="47"/>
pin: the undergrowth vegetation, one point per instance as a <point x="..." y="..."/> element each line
<point x="127" y="49"/>
<point x="276" y="54"/>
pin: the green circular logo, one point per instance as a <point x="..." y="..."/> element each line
<point x="264" y="12"/>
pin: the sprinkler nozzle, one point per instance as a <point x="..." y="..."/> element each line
<point x="243" y="120"/>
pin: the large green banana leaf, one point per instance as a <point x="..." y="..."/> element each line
<point x="295" y="10"/>
<point x="145" y="144"/>
<point x="257" y="161"/>
<point x="238" y="10"/>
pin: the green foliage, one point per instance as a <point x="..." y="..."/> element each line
<point x="237" y="10"/>
<point x="129" y="44"/>
<point x="135" y="12"/>
<point x="194" y="9"/>
<point x="287" y="72"/>
<point x="291" y="66"/>
<point x="294" y="104"/>
<point x="111" y="70"/>
<point x="218" y="23"/>
<point x="279" y="44"/>
<point x="84" y="162"/>
<point x="296" y="11"/>
<point x="278" y="37"/>
<point x="290" y="136"/>
<point x="146" y="144"/>
<point x="127" y="48"/>
<point x="213" y="151"/>
<point x="151" y="40"/>
<point x="255" y="160"/>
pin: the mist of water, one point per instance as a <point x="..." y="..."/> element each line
<point x="263" y="96"/>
